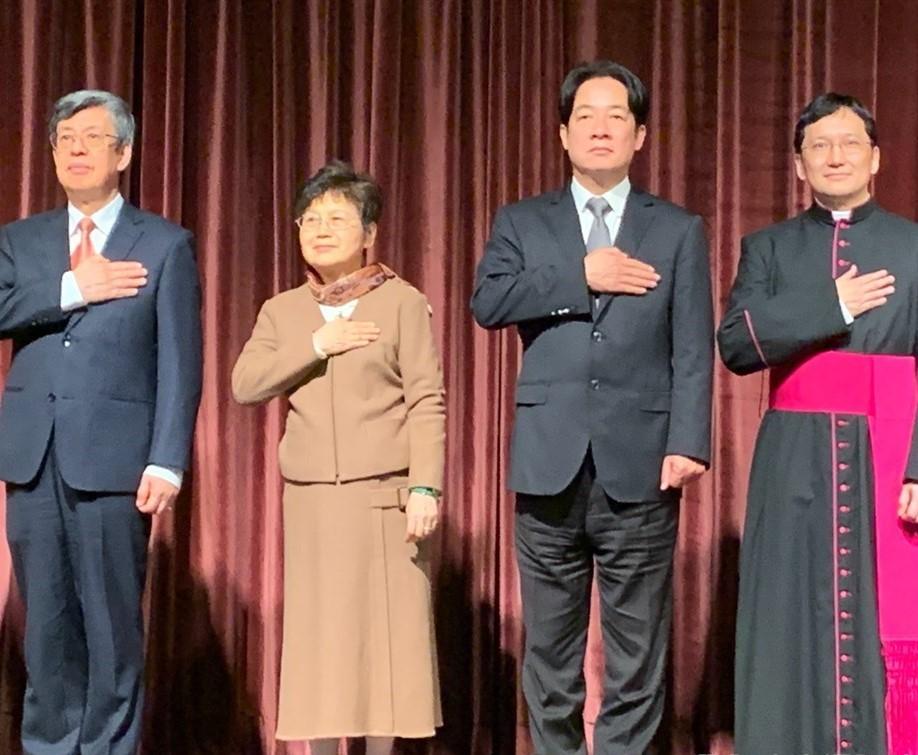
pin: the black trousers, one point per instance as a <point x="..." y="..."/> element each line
<point x="80" y="562"/>
<point x="559" y="539"/>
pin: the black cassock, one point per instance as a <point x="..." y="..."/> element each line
<point x="784" y="307"/>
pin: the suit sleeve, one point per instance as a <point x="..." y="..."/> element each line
<point x="510" y="289"/>
<point x="763" y="328"/>
<point x="266" y="367"/>
<point x="25" y="304"/>
<point x="422" y="383"/>
<point x="692" y="349"/>
<point x="178" y="359"/>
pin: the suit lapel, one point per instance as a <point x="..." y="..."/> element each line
<point x="639" y="211"/>
<point x="127" y="229"/>
<point x="54" y="238"/>
<point x="564" y="222"/>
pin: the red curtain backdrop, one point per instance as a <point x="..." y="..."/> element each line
<point x="452" y="106"/>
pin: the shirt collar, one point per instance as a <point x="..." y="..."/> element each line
<point x="103" y="219"/>
<point x="822" y="215"/>
<point x="616" y="196"/>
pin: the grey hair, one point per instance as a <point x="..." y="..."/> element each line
<point x="71" y="104"/>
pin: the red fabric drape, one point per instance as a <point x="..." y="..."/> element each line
<point x="452" y="106"/>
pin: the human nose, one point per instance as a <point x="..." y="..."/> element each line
<point x="837" y="153"/>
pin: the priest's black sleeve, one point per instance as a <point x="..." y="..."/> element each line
<point x="764" y="326"/>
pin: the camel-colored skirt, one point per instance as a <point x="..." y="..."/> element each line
<point x="359" y="654"/>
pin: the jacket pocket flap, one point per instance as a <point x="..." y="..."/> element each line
<point x="389" y="498"/>
<point x="656" y="401"/>
<point x="531" y="393"/>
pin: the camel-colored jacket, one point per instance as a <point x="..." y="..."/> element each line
<point x="365" y="413"/>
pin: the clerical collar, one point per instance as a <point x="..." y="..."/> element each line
<point x="822" y="215"/>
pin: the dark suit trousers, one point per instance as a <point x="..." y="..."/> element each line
<point x="559" y="538"/>
<point x="80" y="562"/>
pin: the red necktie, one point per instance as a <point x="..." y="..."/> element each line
<point x="84" y="249"/>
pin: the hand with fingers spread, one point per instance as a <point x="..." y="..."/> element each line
<point x="100" y="279"/>
<point x="861" y="293"/>
<point x="609" y="270"/>
<point x="155" y="495"/>
<point x="340" y="335"/>
<point x="423" y="516"/>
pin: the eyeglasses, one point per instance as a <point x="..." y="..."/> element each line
<point x="311" y="223"/>
<point x="94" y="141"/>
<point x="822" y="147"/>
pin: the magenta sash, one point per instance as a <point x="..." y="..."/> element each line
<point x="883" y="388"/>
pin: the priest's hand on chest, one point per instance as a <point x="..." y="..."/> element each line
<point x="861" y="293"/>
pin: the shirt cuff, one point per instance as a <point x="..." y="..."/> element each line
<point x="71" y="296"/>
<point x="315" y="345"/>
<point x="165" y="473"/>
<point x="849" y="318"/>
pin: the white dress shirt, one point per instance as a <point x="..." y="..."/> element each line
<point x="617" y="197"/>
<point x="72" y="298"/>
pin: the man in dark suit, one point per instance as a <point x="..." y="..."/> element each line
<point x="101" y="301"/>
<point x="613" y="409"/>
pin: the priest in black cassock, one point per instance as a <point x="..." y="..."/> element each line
<point x="827" y="631"/>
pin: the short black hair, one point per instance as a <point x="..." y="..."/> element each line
<point x="826" y="104"/>
<point x="339" y="177"/>
<point x="638" y="96"/>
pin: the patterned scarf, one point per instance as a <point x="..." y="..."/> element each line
<point x="349" y="287"/>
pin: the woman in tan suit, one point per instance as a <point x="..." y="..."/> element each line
<point x="362" y="460"/>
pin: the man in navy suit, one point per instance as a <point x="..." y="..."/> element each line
<point x="101" y="301"/>
<point x="610" y="290"/>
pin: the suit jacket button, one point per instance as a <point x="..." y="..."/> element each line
<point x="594" y="384"/>
<point x="66" y="343"/>
<point x="51" y="397"/>
<point x="597" y="336"/>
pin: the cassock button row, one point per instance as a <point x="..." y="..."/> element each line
<point x="846" y="636"/>
<point x="846" y="701"/>
<point x="844" y="551"/>
<point x="843" y="444"/>
<point x="845" y="657"/>
<point x="843" y="242"/>
<point x="844" y="487"/>
<point x="844" y="509"/>
<point x="846" y="679"/>
<point x="843" y="466"/>
<point x="844" y="530"/>
<point x="845" y="572"/>
<point x="845" y="615"/>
